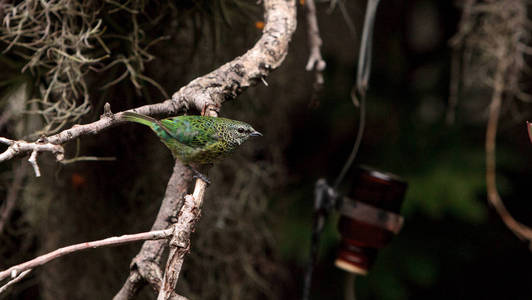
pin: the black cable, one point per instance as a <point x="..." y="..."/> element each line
<point x="356" y="146"/>
<point x="325" y="196"/>
<point x="359" y="92"/>
<point x="324" y="202"/>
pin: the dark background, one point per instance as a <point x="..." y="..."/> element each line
<point x="453" y="244"/>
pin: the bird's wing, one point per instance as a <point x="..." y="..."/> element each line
<point x="189" y="131"/>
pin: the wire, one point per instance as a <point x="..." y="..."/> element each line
<point x="323" y="198"/>
<point x="356" y="146"/>
<point x="358" y="94"/>
<point x="323" y="193"/>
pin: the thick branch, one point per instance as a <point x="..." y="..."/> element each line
<point x="145" y="266"/>
<point x="229" y="80"/>
<point x="206" y="94"/>
<point x="180" y="243"/>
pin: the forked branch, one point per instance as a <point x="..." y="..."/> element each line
<point x="17" y="270"/>
<point x="205" y="94"/>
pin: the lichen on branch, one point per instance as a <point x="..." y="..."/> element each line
<point x="206" y="94"/>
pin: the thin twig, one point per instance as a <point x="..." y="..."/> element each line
<point x="15" y="271"/>
<point x="315" y="61"/>
<point x="33" y="162"/>
<point x="87" y="158"/>
<point x="13" y="281"/>
<point x="519" y="229"/>
<point x="22" y="147"/>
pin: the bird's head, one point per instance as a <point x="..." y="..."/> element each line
<point x="241" y="131"/>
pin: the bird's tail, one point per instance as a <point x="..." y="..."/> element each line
<point x="138" y="118"/>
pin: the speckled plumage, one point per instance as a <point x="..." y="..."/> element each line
<point x="197" y="139"/>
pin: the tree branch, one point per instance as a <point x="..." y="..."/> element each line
<point x="21" y="147"/>
<point x="315" y="61"/>
<point x="206" y="94"/>
<point x="17" y="270"/>
<point x="14" y="280"/>
<point x="520" y="230"/>
<point x="145" y="267"/>
<point x="180" y="242"/>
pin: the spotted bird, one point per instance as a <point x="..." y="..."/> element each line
<point x="197" y="139"/>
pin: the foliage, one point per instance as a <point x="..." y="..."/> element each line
<point x="73" y="49"/>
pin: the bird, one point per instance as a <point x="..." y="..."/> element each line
<point x="197" y="139"/>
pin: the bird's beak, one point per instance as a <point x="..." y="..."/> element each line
<point x="255" y="133"/>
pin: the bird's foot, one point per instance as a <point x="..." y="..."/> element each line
<point x="199" y="175"/>
<point x="202" y="177"/>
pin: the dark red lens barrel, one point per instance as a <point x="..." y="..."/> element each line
<point x="370" y="218"/>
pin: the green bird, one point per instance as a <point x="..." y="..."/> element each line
<point x="197" y="139"/>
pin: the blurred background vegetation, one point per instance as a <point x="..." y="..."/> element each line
<point x="254" y="234"/>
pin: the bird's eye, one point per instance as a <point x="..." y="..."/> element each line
<point x="240" y="130"/>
